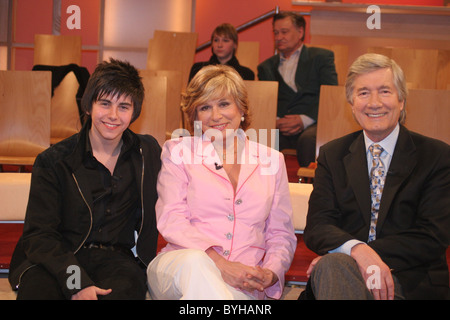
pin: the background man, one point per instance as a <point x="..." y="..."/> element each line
<point x="300" y="71"/>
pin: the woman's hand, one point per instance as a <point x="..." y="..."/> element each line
<point x="268" y="278"/>
<point x="242" y="276"/>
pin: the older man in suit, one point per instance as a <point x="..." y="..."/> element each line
<point x="380" y="222"/>
<point x="300" y="71"/>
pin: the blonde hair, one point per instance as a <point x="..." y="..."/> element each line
<point x="214" y="82"/>
<point x="372" y="62"/>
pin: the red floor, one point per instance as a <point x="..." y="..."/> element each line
<point x="291" y="168"/>
<point x="9" y="235"/>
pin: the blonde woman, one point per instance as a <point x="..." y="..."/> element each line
<point x="224" y="206"/>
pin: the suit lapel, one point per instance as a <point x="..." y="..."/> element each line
<point x="301" y="67"/>
<point x="403" y="162"/>
<point x="355" y="164"/>
<point x="300" y="73"/>
<point x="210" y="159"/>
<point x="249" y="161"/>
<point x="276" y="73"/>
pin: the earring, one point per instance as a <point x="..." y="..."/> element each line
<point x="242" y="119"/>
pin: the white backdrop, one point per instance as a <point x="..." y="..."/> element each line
<point x="129" y="25"/>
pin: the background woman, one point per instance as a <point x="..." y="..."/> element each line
<point x="224" y="41"/>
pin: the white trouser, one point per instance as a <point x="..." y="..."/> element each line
<point x="188" y="274"/>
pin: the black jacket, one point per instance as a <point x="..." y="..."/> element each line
<point x="245" y="73"/>
<point x="59" y="218"/>
<point x="60" y="72"/>
<point x="315" y="68"/>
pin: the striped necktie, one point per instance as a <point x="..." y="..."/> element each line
<point x="377" y="177"/>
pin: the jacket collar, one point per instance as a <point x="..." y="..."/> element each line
<point x="77" y="159"/>
<point x="249" y="157"/>
<point x="233" y="62"/>
<point x="355" y="164"/>
<point x="83" y="146"/>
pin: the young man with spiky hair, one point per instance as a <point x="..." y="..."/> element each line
<point x="89" y="195"/>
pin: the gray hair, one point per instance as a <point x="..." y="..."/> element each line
<point x="371" y="62"/>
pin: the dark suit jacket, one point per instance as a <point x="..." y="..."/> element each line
<point x="413" y="227"/>
<point x="315" y="68"/>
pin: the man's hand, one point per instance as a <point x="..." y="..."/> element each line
<point x="90" y="293"/>
<point x="366" y="257"/>
<point x="312" y="265"/>
<point x="290" y="124"/>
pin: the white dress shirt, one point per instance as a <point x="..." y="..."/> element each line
<point x="288" y="69"/>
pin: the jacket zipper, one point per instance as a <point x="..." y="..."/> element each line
<point x="79" y="247"/>
<point x="142" y="202"/>
<point x="90" y="210"/>
<point x="21" y="275"/>
<point x="90" y="213"/>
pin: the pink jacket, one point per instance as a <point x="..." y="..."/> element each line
<point x="197" y="207"/>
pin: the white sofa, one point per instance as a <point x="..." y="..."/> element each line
<point x="300" y="193"/>
<point x="14" y="192"/>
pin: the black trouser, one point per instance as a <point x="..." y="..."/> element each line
<point x="304" y="143"/>
<point x="109" y="269"/>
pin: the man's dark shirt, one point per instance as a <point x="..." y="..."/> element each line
<point x="116" y="210"/>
